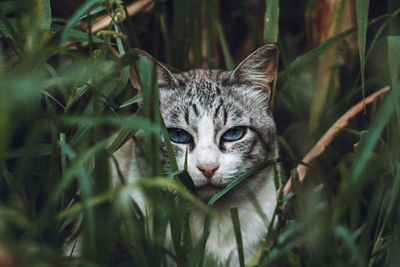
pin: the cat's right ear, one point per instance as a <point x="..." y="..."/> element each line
<point x="164" y="77"/>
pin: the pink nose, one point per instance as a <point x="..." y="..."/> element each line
<point x="208" y="170"/>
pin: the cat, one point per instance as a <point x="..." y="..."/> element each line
<point x="223" y="120"/>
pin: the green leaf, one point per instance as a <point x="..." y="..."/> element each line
<point x="44" y="14"/>
<point x="75" y="18"/>
<point x="317" y="51"/>
<point x="183" y="30"/>
<point x="271" y="22"/>
<point x="8" y="6"/>
<point x="349" y="244"/>
<point x="380" y="120"/>
<point x="123" y="136"/>
<point x="240" y="179"/>
<point x="238" y="235"/>
<point x="150" y="109"/>
<point x="320" y="49"/>
<point x="362" y="23"/>
<point x="34" y="151"/>
<point x="184" y="177"/>
<point x="128" y="123"/>
<point x="210" y="34"/>
<point x="9" y="27"/>
<point x="75" y="35"/>
<point x="224" y="45"/>
<point x="394" y="59"/>
<point x="136" y="99"/>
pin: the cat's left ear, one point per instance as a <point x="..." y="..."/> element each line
<point x="259" y="68"/>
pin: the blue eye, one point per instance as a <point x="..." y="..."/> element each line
<point x="234" y="134"/>
<point x="179" y="136"/>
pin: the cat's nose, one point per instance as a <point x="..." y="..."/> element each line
<point x="208" y="170"/>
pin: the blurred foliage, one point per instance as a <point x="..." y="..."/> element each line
<point x="65" y="87"/>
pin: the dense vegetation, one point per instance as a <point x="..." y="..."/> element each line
<point x="66" y="85"/>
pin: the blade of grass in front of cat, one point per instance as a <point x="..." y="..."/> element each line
<point x="136" y="99"/>
<point x="170" y="150"/>
<point x="150" y="110"/>
<point x="238" y="180"/>
<point x="238" y="234"/>
<point x="147" y="74"/>
<point x="75" y="170"/>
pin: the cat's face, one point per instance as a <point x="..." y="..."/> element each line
<point x="222" y="119"/>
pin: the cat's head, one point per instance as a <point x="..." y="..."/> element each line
<point x="222" y="118"/>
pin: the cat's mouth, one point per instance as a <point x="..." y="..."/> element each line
<point x="206" y="192"/>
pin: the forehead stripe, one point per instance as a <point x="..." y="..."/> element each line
<point x="225" y="116"/>
<point x="187" y="116"/>
<point x="195" y="109"/>
<point x="217" y="109"/>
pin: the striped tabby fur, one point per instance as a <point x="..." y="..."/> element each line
<point x="206" y="104"/>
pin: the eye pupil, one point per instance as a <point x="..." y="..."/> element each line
<point x="179" y="136"/>
<point x="234" y="134"/>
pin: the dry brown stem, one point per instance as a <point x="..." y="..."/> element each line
<point x="132" y="9"/>
<point x="133" y="76"/>
<point x="327" y="138"/>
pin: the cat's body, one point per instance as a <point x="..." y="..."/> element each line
<point x="223" y="120"/>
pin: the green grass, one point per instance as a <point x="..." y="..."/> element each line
<point x="63" y="92"/>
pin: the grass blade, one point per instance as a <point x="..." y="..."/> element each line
<point x="362" y="22"/>
<point x="224" y="45"/>
<point x="7" y="29"/>
<point x="45" y="14"/>
<point x="271" y="22"/>
<point x="170" y="150"/>
<point x="75" y="18"/>
<point x="136" y="99"/>
<point x="238" y="180"/>
<point x="238" y="234"/>
<point x="317" y="51"/>
<point x="320" y="49"/>
<point x="379" y="122"/>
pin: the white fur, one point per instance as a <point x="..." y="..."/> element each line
<point x="254" y="226"/>
<point x="207" y="152"/>
<point x="221" y="243"/>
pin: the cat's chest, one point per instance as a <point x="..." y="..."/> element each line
<point x="255" y="213"/>
<point x="221" y="242"/>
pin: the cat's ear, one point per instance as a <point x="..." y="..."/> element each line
<point x="164" y="77"/>
<point x="259" y="68"/>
